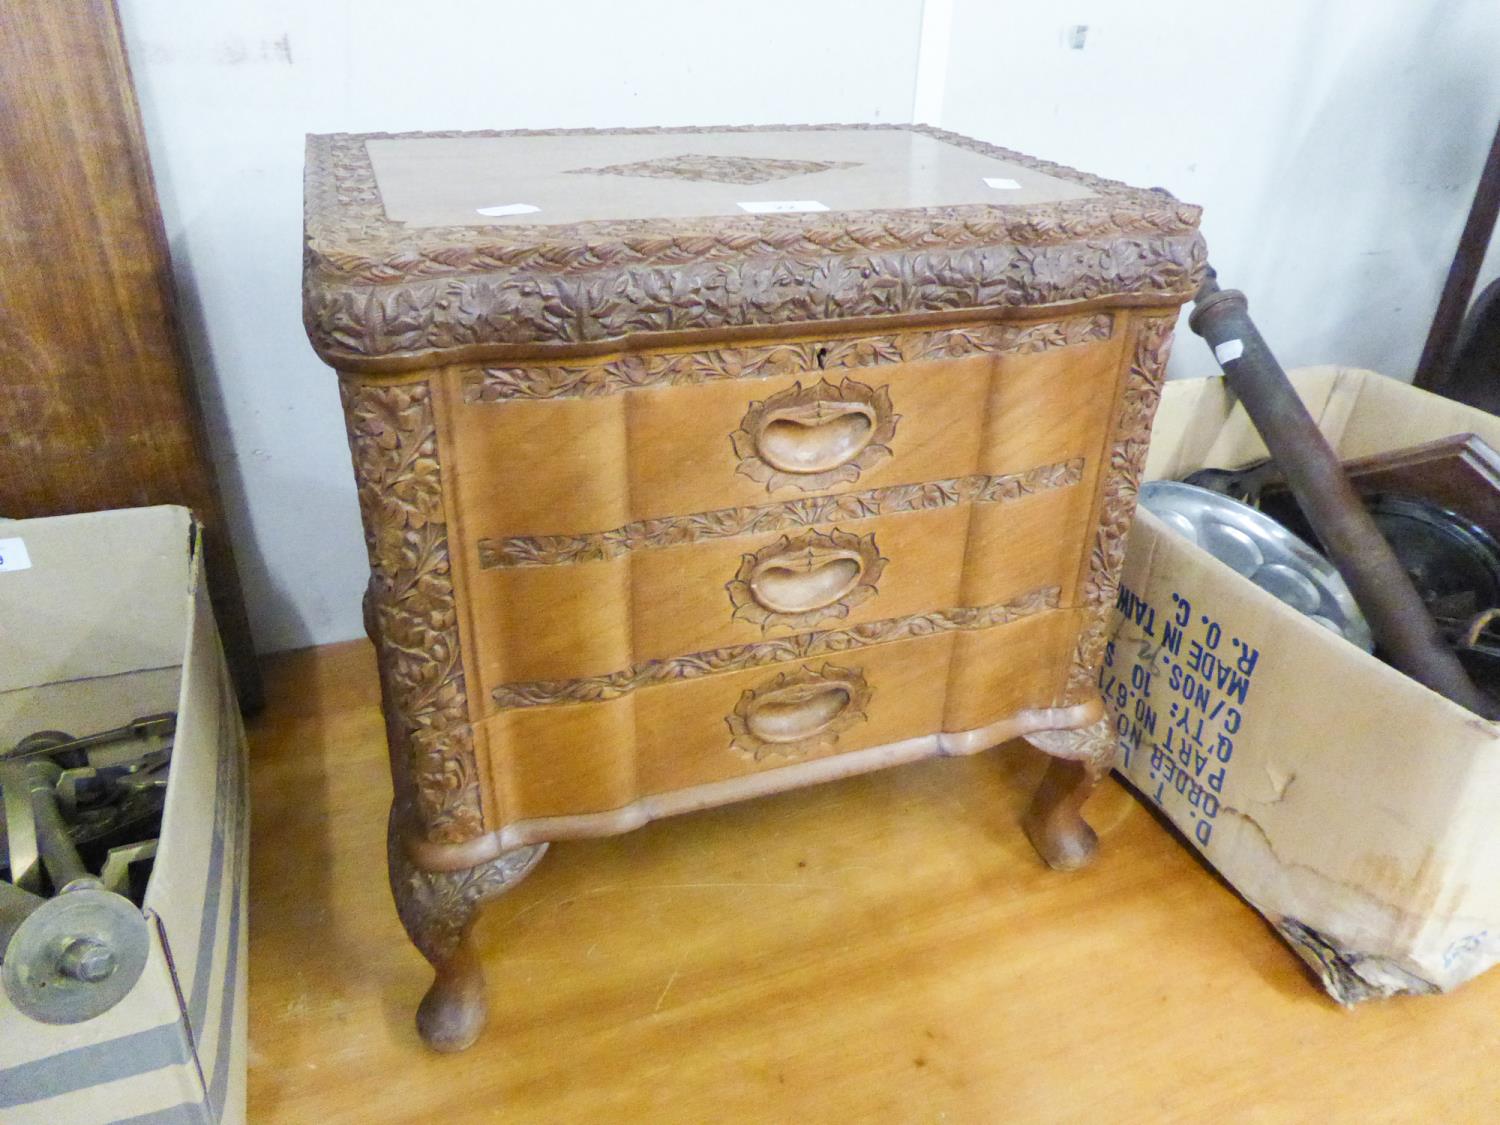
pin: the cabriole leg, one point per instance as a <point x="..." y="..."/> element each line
<point x="1054" y="822"/>
<point x="438" y="909"/>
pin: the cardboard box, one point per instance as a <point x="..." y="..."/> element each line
<point x="105" y="617"/>
<point x="1350" y="805"/>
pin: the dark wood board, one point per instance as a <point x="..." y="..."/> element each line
<point x="97" y="401"/>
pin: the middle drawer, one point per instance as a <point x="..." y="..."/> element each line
<point x="544" y="623"/>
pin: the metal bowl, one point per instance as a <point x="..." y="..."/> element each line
<point x="1259" y="548"/>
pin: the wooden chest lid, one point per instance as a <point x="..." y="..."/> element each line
<point x="428" y="246"/>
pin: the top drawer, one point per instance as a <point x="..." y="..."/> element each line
<point x="593" y="447"/>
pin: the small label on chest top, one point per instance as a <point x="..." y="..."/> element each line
<point x="782" y="206"/>
<point x="13" y="555"/>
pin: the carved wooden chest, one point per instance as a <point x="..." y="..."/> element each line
<point x="702" y="464"/>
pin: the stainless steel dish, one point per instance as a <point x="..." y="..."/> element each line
<point x="1259" y="548"/>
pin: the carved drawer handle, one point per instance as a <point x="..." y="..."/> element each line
<point x="799" y="712"/>
<point x="805" y="579"/>
<point x="812" y="437"/>
<point x="797" y="582"/>
<point x="796" y="713"/>
<point x="815" y="437"/>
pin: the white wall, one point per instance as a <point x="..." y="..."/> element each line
<point x="1334" y="146"/>
<point x="229" y="88"/>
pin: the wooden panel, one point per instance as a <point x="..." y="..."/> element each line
<point x="550" y="622"/>
<point x="596" y="550"/>
<point x="998" y="671"/>
<point x="570" y="466"/>
<point x="592" y="618"/>
<point x="692" y="465"/>
<point x="681" y="460"/>
<point x="901" y="705"/>
<point x="1034" y="541"/>
<point x="549" y="761"/>
<point x="684" y="604"/>
<point x="1051" y="405"/>
<point x="579" y="758"/>
<point x="538" y="467"/>
<point x="582" y="619"/>
<point x="96" y="398"/>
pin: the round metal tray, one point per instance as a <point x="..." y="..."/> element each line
<point x="1259" y="548"/>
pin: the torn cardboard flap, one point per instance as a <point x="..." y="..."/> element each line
<point x="1350" y="805"/>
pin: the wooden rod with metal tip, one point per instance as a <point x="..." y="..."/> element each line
<point x="1400" y="621"/>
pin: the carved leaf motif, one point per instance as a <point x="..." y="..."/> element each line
<point x="410" y="605"/>
<point x="721" y="169"/>
<point x="1127" y="461"/>
<point x="1093" y="745"/>
<point x="497" y="384"/>
<point x="378" y="288"/>
<point x="669" y="531"/>
<point x="539" y="693"/>
<point x="436" y="907"/>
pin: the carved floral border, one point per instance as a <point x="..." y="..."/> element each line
<point x="765" y="361"/>
<point x="800" y="646"/>
<point x="1132" y="438"/>
<point x="410" y="607"/>
<point x="374" y="288"/>
<point x="726" y="523"/>
<point x="349" y="235"/>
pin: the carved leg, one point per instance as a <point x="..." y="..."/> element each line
<point x="438" y="909"/>
<point x="1054" y="823"/>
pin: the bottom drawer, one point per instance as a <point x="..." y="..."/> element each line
<point x="580" y="758"/>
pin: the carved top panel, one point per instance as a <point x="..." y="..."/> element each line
<point x="558" y="179"/>
<point x="700" y="167"/>
<point x="415" y="249"/>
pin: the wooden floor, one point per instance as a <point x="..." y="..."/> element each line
<point x="881" y="949"/>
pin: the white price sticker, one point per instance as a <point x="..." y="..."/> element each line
<point x="999" y="183"/>
<point x="507" y="209"/>
<point x="1229" y="350"/>
<point x="13" y="555"/>
<point x="782" y="206"/>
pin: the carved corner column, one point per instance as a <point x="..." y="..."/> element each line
<point x="412" y="620"/>
<point x="1054" y="822"/>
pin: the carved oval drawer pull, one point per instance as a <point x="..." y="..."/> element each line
<point x="813" y="437"/>
<point x="804" y="580"/>
<point x="799" y="582"/>
<point x="795" y="713"/>
<point x="799" y="712"/>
